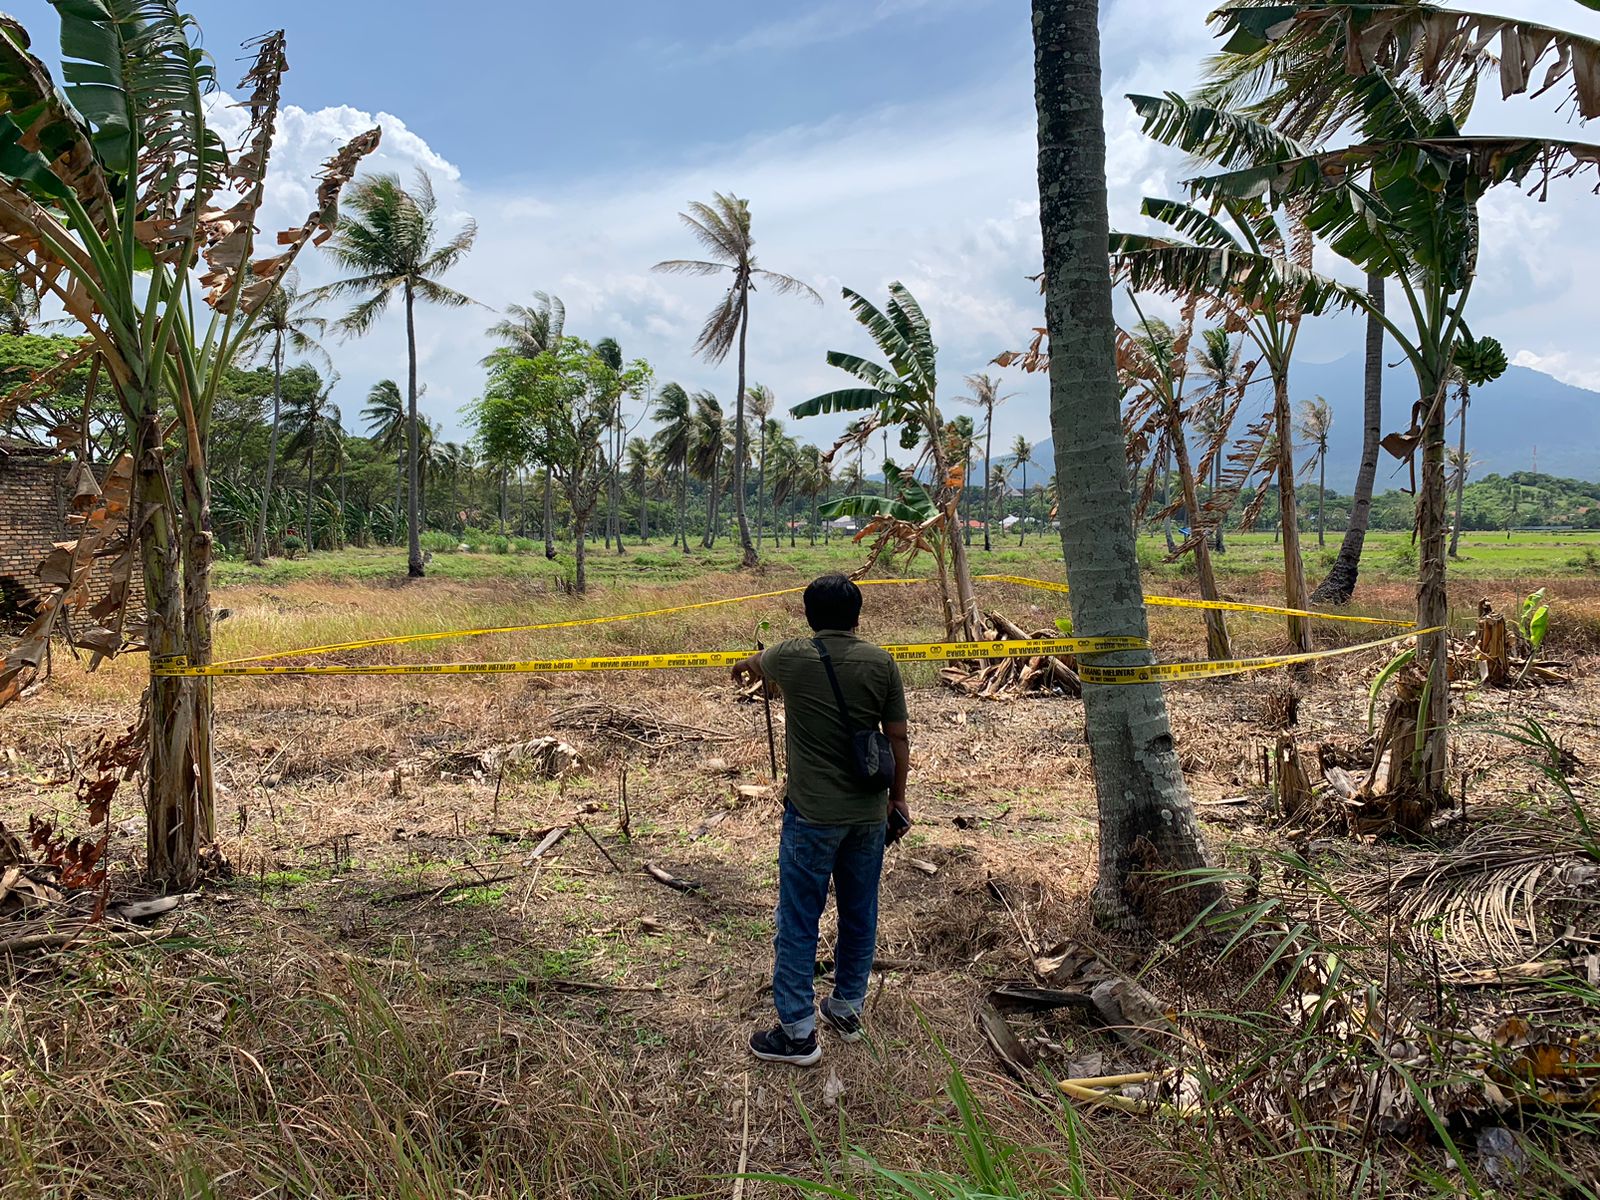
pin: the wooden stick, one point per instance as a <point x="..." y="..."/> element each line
<point x="599" y="847"/>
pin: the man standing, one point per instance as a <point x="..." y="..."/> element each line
<point x="834" y="826"/>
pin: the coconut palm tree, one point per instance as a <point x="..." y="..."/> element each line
<point x="1021" y="457"/>
<point x="723" y="229"/>
<point x="528" y="331"/>
<point x="641" y="466"/>
<point x="287" y="321"/>
<point x="388" y="239"/>
<point x="760" y="401"/>
<point x="674" y="440"/>
<point x="1218" y="358"/>
<point x="1154" y="362"/>
<point x="986" y="397"/>
<point x="1142" y="797"/>
<point x="708" y="452"/>
<point x="610" y="353"/>
<point x="1316" y="423"/>
<point x="312" y="420"/>
<point x="385" y="415"/>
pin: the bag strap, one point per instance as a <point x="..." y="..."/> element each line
<point x="838" y="692"/>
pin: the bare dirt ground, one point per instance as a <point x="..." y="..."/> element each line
<point x="384" y="827"/>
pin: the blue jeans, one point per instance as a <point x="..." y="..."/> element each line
<point x="808" y="855"/>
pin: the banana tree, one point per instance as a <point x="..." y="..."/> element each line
<point x="120" y="201"/>
<point x="903" y="392"/>
<point x="1252" y="268"/>
<point x="1404" y="204"/>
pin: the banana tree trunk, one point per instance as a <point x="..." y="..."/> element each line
<point x="962" y="616"/>
<point x="1433" y="602"/>
<point x="1217" y="643"/>
<point x="1146" y="817"/>
<point x="414" y="566"/>
<point x="1340" y="584"/>
<point x="260" y="555"/>
<point x="179" y="794"/>
<point x="1294" y="571"/>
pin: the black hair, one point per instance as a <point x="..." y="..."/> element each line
<point x="833" y="602"/>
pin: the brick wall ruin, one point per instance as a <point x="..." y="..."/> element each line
<point x="33" y="517"/>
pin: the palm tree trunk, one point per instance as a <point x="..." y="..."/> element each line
<point x="1217" y="644"/>
<point x="549" y="516"/>
<point x="1022" y="509"/>
<point x="813" y="530"/>
<point x="988" y="480"/>
<point x="1166" y="499"/>
<point x="683" y="507"/>
<point x="712" y="499"/>
<point x="338" y="529"/>
<point x="1216" y="486"/>
<point x="580" y="530"/>
<point x="1322" y="494"/>
<point x="761" y="490"/>
<point x="260" y="555"/>
<point x="750" y="558"/>
<point x="505" y="499"/>
<point x="1461" y="477"/>
<point x="1294" y="571"/>
<point x="311" y="472"/>
<point x="1340" y="584"/>
<point x="1145" y="809"/>
<point x="414" y="566"/>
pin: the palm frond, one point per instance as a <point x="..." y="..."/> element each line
<point x="787" y="285"/>
<point x="690" y="266"/>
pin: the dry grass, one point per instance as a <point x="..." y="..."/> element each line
<point x="338" y="1026"/>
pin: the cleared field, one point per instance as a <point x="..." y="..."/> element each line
<point x="391" y="996"/>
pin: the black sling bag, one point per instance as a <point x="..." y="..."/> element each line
<point x="871" y="753"/>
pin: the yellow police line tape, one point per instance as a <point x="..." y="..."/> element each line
<point x="1213" y="605"/>
<point x="914" y="652"/>
<point x="1175" y="672"/>
<point x="407" y="639"/>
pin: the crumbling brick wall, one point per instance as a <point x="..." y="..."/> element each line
<point x="33" y="517"/>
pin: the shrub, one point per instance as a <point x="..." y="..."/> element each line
<point x="437" y="542"/>
<point x="1404" y="556"/>
<point x="293" y="545"/>
<point x="500" y="545"/>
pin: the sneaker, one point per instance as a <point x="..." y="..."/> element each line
<point x="846" y="1025"/>
<point x="774" y="1045"/>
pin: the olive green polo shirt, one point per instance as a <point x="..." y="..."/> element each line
<point x="822" y="782"/>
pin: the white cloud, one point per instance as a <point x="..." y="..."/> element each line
<point x="1580" y="370"/>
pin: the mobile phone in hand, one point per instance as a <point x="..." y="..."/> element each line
<point x="899" y="826"/>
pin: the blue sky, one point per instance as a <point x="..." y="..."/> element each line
<point x="876" y="140"/>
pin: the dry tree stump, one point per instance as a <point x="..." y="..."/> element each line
<point x="1290" y="781"/>
<point x="1494" y="653"/>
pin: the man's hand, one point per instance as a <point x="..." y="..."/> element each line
<point x="747" y="671"/>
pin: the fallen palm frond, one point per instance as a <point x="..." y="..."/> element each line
<point x="1502" y="897"/>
